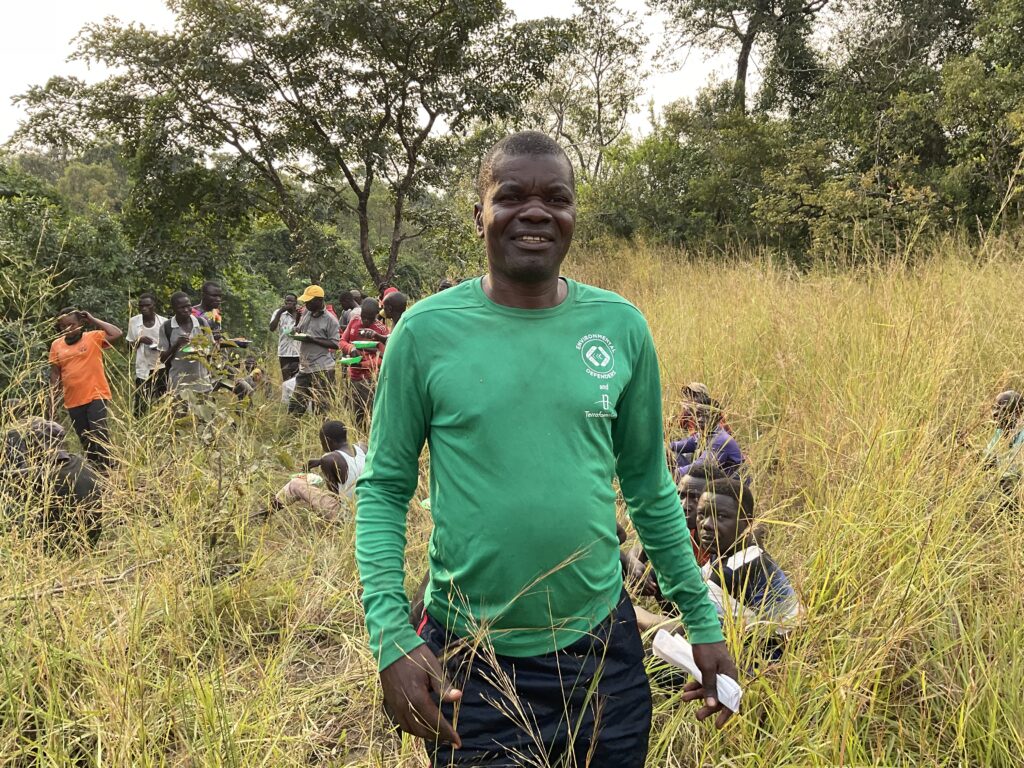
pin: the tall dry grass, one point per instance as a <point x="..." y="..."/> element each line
<point x="195" y="635"/>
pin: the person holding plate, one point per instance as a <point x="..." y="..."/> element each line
<point x="143" y="329"/>
<point x="317" y="332"/>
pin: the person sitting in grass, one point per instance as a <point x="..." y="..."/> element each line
<point x="341" y="465"/>
<point x="635" y="563"/>
<point x="742" y="578"/>
<point x="710" y="442"/>
<point x="60" y="488"/>
<point x="1003" y="450"/>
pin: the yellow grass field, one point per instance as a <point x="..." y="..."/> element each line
<point x="861" y="398"/>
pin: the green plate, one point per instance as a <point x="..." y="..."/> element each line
<point x="364" y="344"/>
<point x="350" y="360"/>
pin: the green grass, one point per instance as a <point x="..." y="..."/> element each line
<point x="861" y="398"/>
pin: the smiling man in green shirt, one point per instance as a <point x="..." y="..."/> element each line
<point x="547" y="390"/>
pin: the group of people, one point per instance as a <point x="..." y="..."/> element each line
<point x="527" y="604"/>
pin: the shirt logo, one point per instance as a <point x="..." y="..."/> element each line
<point x="598" y="354"/>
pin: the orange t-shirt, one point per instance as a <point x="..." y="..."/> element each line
<point x="81" y="368"/>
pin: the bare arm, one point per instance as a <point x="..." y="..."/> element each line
<point x="275" y="320"/>
<point x="112" y="332"/>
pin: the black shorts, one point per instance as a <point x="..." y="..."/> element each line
<point x="587" y="704"/>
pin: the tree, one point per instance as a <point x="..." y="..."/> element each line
<point x="339" y="97"/>
<point x="593" y="87"/>
<point x="719" y="24"/>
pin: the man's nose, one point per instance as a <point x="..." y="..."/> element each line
<point x="535" y="211"/>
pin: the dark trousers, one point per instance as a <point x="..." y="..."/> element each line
<point x="90" y="423"/>
<point x="361" y="392"/>
<point x="587" y="704"/>
<point x="146" y="391"/>
<point x="289" y="367"/>
<point x="317" y="386"/>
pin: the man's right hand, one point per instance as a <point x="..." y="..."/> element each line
<point x="408" y="684"/>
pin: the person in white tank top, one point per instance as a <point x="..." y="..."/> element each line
<point x="328" y="493"/>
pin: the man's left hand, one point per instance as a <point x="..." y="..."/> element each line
<point x="712" y="659"/>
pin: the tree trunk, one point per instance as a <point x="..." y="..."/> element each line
<point x="362" y="209"/>
<point x="739" y="88"/>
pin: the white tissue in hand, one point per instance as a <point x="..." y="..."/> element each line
<point x="676" y="651"/>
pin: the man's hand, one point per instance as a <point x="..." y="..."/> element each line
<point x="408" y="684"/>
<point x="712" y="659"/>
<point x="145" y="340"/>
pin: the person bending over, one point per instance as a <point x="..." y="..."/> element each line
<point x="340" y="465"/>
<point x="743" y="580"/>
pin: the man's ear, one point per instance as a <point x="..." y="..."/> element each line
<point x="478" y="219"/>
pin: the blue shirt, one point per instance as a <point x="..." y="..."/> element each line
<point x="722" y="449"/>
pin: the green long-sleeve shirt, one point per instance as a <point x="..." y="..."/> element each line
<point x="529" y="415"/>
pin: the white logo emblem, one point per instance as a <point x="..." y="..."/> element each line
<point x="598" y="355"/>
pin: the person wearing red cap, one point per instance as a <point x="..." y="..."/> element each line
<point x="317" y="330"/>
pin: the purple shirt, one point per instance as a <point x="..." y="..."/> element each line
<point x="722" y="449"/>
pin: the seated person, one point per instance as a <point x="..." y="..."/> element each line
<point x="710" y="442"/>
<point x="341" y="465"/>
<point x="743" y="580"/>
<point x="691" y="486"/>
<point x="1003" y="450"/>
<point x="66" y="490"/>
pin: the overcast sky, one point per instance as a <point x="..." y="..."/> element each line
<point x="38" y="34"/>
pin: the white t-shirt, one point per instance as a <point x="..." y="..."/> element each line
<point x="146" y="358"/>
<point x="286" y="345"/>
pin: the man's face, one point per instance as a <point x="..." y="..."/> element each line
<point x="71" y="326"/>
<point x="1004" y="411"/>
<point x="315" y="305"/>
<point x="147" y="308"/>
<point x="212" y="296"/>
<point x="527" y="216"/>
<point x="718" y="522"/>
<point x="690" y="490"/>
<point x="181" y="308"/>
<point x="290" y="302"/>
<point x="347" y="301"/>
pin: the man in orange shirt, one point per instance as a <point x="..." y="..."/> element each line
<point x="76" y="367"/>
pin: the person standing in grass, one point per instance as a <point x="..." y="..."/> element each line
<point x="315" y="379"/>
<point x="364" y="327"/>
<point x="143" y="333"/>
<point x="211" y="295"/>
<point x="283" y="321"/>
<point x="184" y="372"/>
<point x="348" y="304"/>
<point x="547" y="390"/>
<point x="1003" y="449"/>
<point x="76" y="371"/>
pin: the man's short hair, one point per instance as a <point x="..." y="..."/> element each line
<point x="370" y="304"/>
<point x="737" y="488"/>
<point x="396" y="299"/>
<point x="175" y="297"/>
<point x="334" y="431"/>
<point x="147" y="295"/>
<point x="66" y="311"/>
<point x="289" y="293"/>
<point x="210" y="284"/>
<point x="532" y="143"/>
